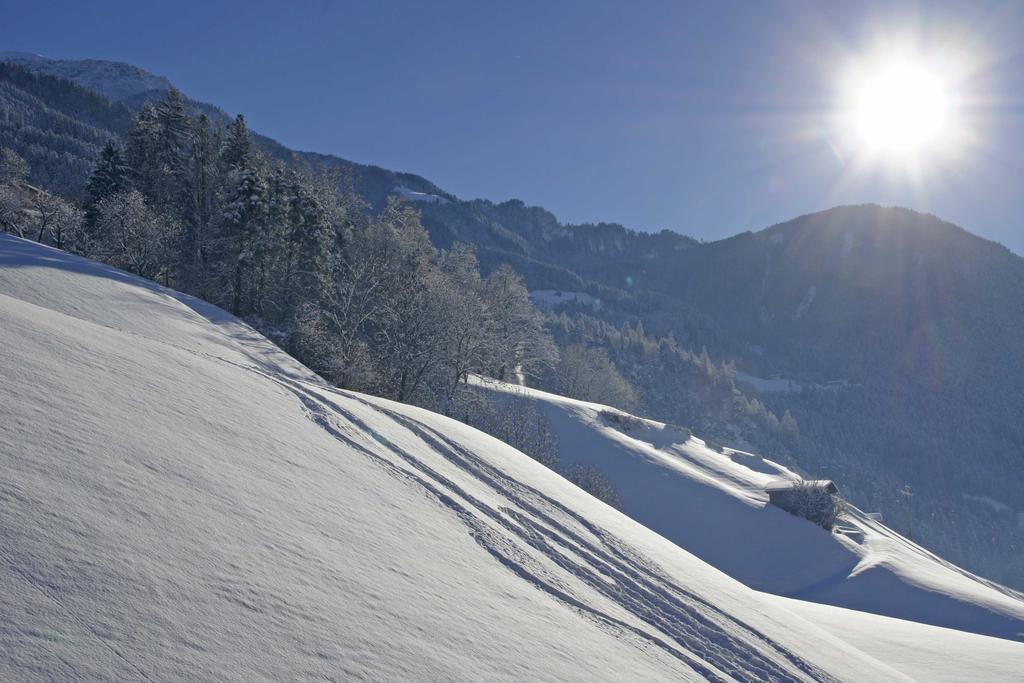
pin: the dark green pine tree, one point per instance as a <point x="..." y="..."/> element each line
<point x="202" y="208"/>
<point x="142" y="151"/>
<point x="110" y="176"/>
<point x="238" y="145"/>
<point x="314" y="230"/>
<point x="173" y="134"/>
<point x="242" y="228"/>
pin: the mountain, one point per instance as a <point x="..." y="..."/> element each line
<point x="890" y="340"/>
<point x="894" y="339"/>
<point x="114" y="80"/>
<point x="182" y="500"/>
<point x="903" y="336"/>
<point x="59" y="114"/>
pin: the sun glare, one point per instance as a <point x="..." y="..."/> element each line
<point x="900" y="109"/>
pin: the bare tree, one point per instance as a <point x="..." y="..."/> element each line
<point x="13" y="218"/>
<point x="592" y="480"/>
<point x="468" y="342"/>
<point x="521" y="347"/>
<point x="57" y="222"/>
<point x="129" y="235"/>
<point x="588" y="374"/>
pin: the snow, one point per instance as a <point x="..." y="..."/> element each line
<point x="782" y="385"/>
<point x="413" y="196"/>
<point x="911" y="648"/>
<point x="777" y="385"/>
<point x="550" y="298"/>
<point x="183" y="501"/>
<point x="688" y="493"/>
<point x="806" y="303"/>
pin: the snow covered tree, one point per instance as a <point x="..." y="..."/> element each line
<point x="172" y="141"/>
<point x="202" y="209"/>
<point x="587" y="373"/>
<point x="238" y="145"/>
<point x="142" y="151"/>
<point x="157" y="152"/>
<point x="13" y="218"/>
<point x="109" y="177"/>
<point x="57" y="221"/>
<point x="315" y="213"/>
<point x="407" y="330"/>
<point x="242" y="238"/>
<point x="592" y="480"/>
<point x="520" y="346"/>
<point x="469" y="340"/>
<point x="131" y="236"/>
<point x="13" y="169"/>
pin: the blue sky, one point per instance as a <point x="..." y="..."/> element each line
<point x="705" y="117"/>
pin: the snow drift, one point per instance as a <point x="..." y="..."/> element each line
<point x="182" y="500"/>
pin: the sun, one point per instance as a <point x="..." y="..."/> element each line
<point x="900" y="108"/>
<point x="903" y="110"/>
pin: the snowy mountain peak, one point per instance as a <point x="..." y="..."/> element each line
<point x="115" y="80"/>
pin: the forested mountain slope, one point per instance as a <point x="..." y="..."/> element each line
<point x="904" y="336"/>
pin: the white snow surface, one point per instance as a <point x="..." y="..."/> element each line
<point x="715" y="506"/>
<point x="414" y="196"/>
<point x="778" y="385"/>
<point x="180" y="500"/>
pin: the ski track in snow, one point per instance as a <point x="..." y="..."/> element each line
<point x="609" y="567"/>
<point x="682" y="622"/>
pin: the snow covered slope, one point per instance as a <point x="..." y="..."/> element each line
<point x="715" y="506"/>
<point x="182" y="501"/>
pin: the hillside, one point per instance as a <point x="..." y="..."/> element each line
<point x="184" y="500"/>
<point x="674" y="484"/>
<point x="902" y="333"/>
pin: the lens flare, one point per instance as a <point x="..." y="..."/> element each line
<point x="902" y="110"/>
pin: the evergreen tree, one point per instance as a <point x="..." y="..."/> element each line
<point x="244" y="222"/>
<point x="238" y="145"/>
<point x="110" y="176"/>
<point x="201" y="210"/>
<point x="171" y="149"/>
<point x="142" y="151"/>
<point x="316" y="211"/>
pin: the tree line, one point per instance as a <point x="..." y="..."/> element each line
<point x="361" y="297"/>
